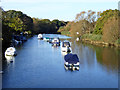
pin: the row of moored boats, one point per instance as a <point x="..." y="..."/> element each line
<point x="71" y="61"/>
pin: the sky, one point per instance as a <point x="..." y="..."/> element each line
<point x="65" y="10"/>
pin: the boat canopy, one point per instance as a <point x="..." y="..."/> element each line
<point x="55" y="40"/>
<point x="71" y="58"/>
<point x="47" y="38"/>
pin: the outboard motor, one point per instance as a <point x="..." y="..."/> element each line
<point x="68" y="48"/>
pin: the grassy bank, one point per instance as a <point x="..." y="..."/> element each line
<point x="97" y="40"/>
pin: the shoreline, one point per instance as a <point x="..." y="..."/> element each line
<point x="100" y="43"/>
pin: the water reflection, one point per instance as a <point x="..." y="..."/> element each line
<point x="93" y="56"/>
<point x="10" y="59"/>
<point x="67" y="68"/>
<point x="64" y="53"/>
<point x="39" y="43"/>
<point x="108" y="57"/>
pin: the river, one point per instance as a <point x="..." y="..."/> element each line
<point x="39" y="65"/>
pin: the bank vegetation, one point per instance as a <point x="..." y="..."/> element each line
<point x="100" y="28"/>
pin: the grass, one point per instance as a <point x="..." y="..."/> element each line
<point x="118" y="41"/>
<point x="65" y="33"/>
<point x="92" y="37"/>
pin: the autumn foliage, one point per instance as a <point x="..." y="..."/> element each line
<point x="96" y="26"/>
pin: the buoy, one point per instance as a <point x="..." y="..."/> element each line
<point x="77" y="39"/>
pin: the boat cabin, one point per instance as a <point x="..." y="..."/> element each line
<point x="66" y="44"/>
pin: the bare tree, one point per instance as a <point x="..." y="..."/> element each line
<point x="80" y="16"/>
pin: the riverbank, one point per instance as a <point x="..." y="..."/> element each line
<point x="100" y="43"/>
<point x="103" y="31"/>
<point x="97" y="40"/>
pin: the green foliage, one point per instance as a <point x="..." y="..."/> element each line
<point x="92" y="37"/>
<point x="17" y="21"/>
<point x="6" y="35"/>
<point x="65" y="33"/>
<point x="65" y="30"/>
<point x="111" y="30"/>
<point x="118" y="41"/>
<point x="47" y="26"/>
<point x="103" y="19"/>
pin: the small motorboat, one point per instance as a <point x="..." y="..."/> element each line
<point x="40" y="36"/>
<point x="71" y="61"/>
<point x="50" y="40"/>
<point x="17" y="39"/>
<point x="56" y="42"/>
<point x="11" y="51"/>
<point x="46" y="39"/>
<point x="66" y="47"/>
<point x="23" y="38"/>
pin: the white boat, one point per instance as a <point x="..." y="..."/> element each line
<point x="11" y="51"/>
<point x="56" y="42"/>
<point x="66" y="47"/>
<point x="40" y="36"/>
<point x="46" y="39"/>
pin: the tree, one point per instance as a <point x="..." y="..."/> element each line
<point x="80" y="16"/>
<point x="18" y="21"/>
<point x="104" y="17"/>
<point x="47" y="26"/>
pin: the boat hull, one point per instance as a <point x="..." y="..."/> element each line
<point x="11" y="51"/>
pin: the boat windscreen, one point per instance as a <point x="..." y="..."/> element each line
<point x="66" y="44"/>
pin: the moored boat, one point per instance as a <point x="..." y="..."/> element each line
<point x="40" y="36"/>
<point x="11" y="51"/>
<point x="71" y="61"/>
<point x="56" y="42"/>
<point x="50" y="40"/>
<point x="46" y="39"/>
<point x="66" y="47"/>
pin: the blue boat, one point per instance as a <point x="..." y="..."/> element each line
<point x="71" y="61"/>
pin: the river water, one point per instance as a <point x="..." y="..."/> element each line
<point x="39" y="65"/>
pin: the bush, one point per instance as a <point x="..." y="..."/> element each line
<point x="92" y="37"/>
<point x="118" y="41"/>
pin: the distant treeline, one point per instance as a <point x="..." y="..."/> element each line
<point x="16" y="22"/>
<point x="90" y="25"/>
<point x="95" y="26"/>
<point x="47" y="26"/>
